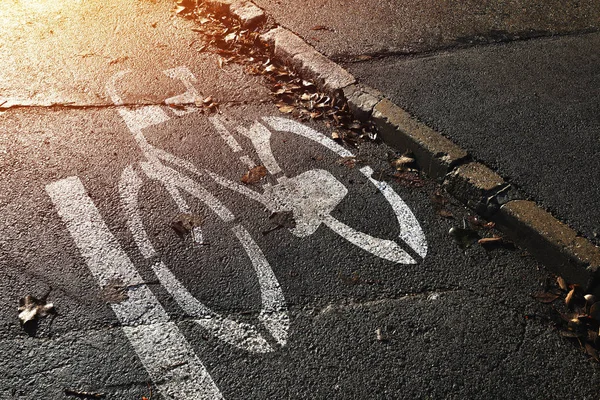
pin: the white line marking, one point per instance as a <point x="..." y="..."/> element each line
<point x="129" y="186"/>
<point x="173" y="179"/>
<point x="410" y="229"/>
<point x="248" y="161"/>
<point x="189" y="97"/>
<point x="241" y="335"/>
<point x="217" y="121"/>
<point x="261" y="140"/>
<point x="274" y="311"/>
<point x="162" y="348"/>
<point x="288" y="125"/>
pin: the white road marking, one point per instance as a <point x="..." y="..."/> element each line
<point x="288" y="125"/>
<point x="217" y="121"/>
<point x="171" y="178"/>
<point x="165" y="353"/>
<point x="248" y="161"/>
<point x="189" y="98"/>
<point x="129" y="186"/>
<point x="274" y="310"/>
<point x="410" y="229"/>
<point x="261" y="140"/>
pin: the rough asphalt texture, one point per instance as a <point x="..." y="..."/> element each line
<point x="530" y="109"/>
<point x="459" y="324"/>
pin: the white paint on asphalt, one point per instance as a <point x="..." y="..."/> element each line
<point x="172" y="178"/>
<point x="164" y="351"/>
<point x="129" y="186"/>
<point x="190" y="97"/>
<point x="217" y="121"/>
<point x="274" y="310"/>
<point x="288" y="125"/>
<point x="241" y="335"/>
<point x="261" y="140"/>
<point x="410" y="229"/>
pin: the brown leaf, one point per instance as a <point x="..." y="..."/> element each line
<point x="286" y="108"/>
<point x="32" y="308"/>
<point x="562" y="284"/>
<point x="412" y="180"/>
<point x="183" y="223"/>
<point x="546" y="297"/>
<point x="591" y="351"/>
<point x="445" y="213"/>
<point x="489" y="240"/>
<point x="569" y="298"/>
<point x="254" y="175"/>
<point x="349" y="162"/>
<point x="281" y="219"/>
<point x="402" y="163"/>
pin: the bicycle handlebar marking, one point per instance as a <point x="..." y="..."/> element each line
<point x="311" y="196"/>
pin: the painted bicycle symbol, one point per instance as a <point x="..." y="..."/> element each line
<point x="310" y="197"/>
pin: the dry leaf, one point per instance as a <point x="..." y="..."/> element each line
<point x="490" y="240"/>
<point x="285" y="108"/>
<point x="254" y="175"/>
<point x="562" y="284"/>
<point x="402" y="163"/>
<point x="546" y="297"/>
<point x="445" y="213"/>
<point x="31" y="308"/>
<point x="569" y="298"/>
<point x="183" y="224"/>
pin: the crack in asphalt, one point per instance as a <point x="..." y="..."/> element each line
<point x="74" y="106"/>
<point x="461" y="43"/>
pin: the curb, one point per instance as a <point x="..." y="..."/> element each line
<point x="552" y="242"/>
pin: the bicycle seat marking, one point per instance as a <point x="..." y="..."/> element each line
<point x="310" y="196"/>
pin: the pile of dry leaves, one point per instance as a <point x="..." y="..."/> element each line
<point x="578" y="314"/>
<point x="224" y="35"/>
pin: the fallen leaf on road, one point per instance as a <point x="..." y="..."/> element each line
<point x="413" y="180"/>
<point x="32" y="308"/>
<point x="285" y="108"/>
<point x="546" y="297"/>
<point x="183" y="224"/>
<point x="490" y="240"/>
<point x="281" y="219"/>
<point x="254" y="175"/>
<point x="562" y="284"/>
<point x="402" y="163"/>
<point x="349" y="162"/>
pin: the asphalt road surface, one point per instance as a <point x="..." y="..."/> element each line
<point x="368" y="296"/>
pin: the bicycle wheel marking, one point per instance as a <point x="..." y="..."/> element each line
<point x="163" y="349"/>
